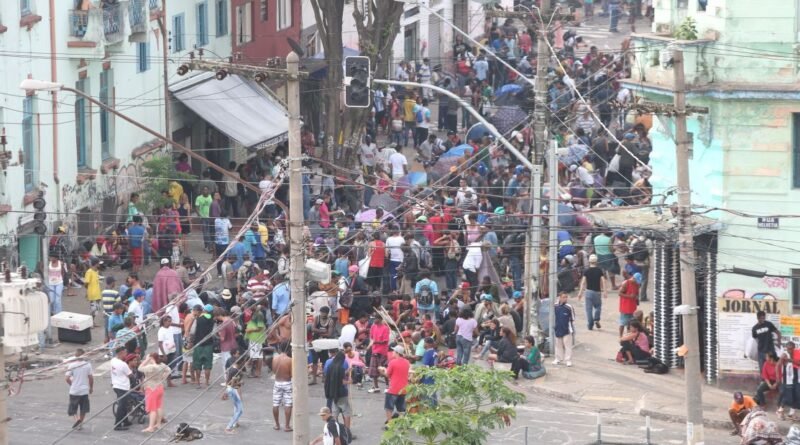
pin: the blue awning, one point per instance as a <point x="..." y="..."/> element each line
<point x="236" y="106"/>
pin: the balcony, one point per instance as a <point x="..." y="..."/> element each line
<point x="113" y="24"/>
<point x="138" y="17"/>
<point x="79" y="23"/>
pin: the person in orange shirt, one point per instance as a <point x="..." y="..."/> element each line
<point x="740" y="408"/>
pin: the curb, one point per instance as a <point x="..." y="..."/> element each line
<point x="677" y="418"/>
<point x="571" y="397"/>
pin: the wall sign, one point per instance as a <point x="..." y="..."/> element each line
<point x="768" y="222"/>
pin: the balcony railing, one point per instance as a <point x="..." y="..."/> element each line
<point x="138" y="16"/>
<point x="79" y="23"/>
<point x="113" y="27"/>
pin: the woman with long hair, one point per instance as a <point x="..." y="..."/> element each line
<point x="155" y="373"/>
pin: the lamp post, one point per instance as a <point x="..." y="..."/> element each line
<point x="43" y="85"/>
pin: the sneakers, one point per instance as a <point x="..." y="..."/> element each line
<point x="597" y="324"/>
<point x="373" y="390"/>
<point x="556" y="362"/>
<point x="569" y="364"/>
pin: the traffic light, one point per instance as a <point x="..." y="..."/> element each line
<point x="39" y="216"/>
<point x="357" y="83"/>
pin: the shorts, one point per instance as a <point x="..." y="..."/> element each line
<point x="341" y="405"/>
<point x="153" y="398"/>
<point x="95" y="307"/>
<point x="607" y="262"/>
<point x="625" y="319"/>
<point x="318" y="356"/>
<point x="255" y="350"/>
<point x="77" y="403"/>
<point x="202" y="357"/>
<point x="394" y="402"/>
<point x="187" y="357"/>
<point x="376" y="361"/>
<point x="136" y="256"/>
<point x="282" y="394"/>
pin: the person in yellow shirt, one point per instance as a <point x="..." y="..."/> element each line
<point x="91" y="279"/>
<point x="263" y="234"/>
<point x="409" y="117"/>
<point x="175" y="191"/>
<point x="740" y="408"/>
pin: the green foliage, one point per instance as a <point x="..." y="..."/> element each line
<point x="472" y="402"/>
<point x="687" y="30"/>
<point x="156" y="173"/>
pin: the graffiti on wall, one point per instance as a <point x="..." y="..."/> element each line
<point x="741" y="294"/>
<point x="776" y="282"/>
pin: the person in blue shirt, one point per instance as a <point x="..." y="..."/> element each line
<point x="281" y="295"/>
<point x="429" y="360"/>
<point x="342" y="263"/>
<point x="115" y="320"/>
<point x="427" y="294"/>
<point x="136" y="233"/>
<point x="257" y="249"/>
<point x="238" y="250"/>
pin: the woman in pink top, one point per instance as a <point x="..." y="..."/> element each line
<point x="354" y="364"/>
<point x="635" y="345"/>
<point x="155" y="373"/>
<point x="465" y="335"/>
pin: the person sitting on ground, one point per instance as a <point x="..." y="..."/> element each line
<point x="634" y="344"/>
<point x="536" y="367"/>
<point x="769" y="378"/>
<point x="740" y="408"/>
<point x="506" y="350"/>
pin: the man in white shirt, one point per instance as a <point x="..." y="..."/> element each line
<point x="423" y="125"/>
<point x="399" y="165"/>
<point x="81" y="383"/>
<point x="136" y="308"/>
<point x="472" y="262"/>
<point x="424" y="76"/>
<point x="120" y="382"/>
<point x="481" y="67"/>
<point x="582" y="174"/>
<point x="266" y="185"/>
<point x="368" y="153"/>
<point x="382" y="158"/>
<point x="348" y="334"/>
<point x="394" y="250"/>
<point x="463" y="188"/>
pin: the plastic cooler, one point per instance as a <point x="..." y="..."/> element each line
<point x="72" y="327"/>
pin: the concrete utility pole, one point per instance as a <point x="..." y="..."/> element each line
<point x="552" y="270"/>
<point x="297" y="278"/>
<point x="691" y="361"/>
<point x="162" y="26"/>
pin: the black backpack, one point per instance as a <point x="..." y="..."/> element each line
<point x="345" y="435"/>
<point x="425" y="295"/>
<point x="640" y="253"/>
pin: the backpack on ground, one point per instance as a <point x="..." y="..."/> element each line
<point x="425" y="297"/>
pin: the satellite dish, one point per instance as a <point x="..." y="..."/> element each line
<point x="296" y="47"/>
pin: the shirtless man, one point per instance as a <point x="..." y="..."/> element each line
<point x="282" y="332"/>
<point x="282" y="390"/>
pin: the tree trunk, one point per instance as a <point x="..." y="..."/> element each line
<point x="377" y="28"/>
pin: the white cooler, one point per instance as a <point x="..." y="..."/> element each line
<point x="72" y="327"/>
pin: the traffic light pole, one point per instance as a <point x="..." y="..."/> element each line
<point x="510" y="147"/>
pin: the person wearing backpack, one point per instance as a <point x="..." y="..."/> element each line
<point x="427" y="294"/>
<point x="333" y="432"/>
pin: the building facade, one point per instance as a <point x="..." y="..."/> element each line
<point x="745" y="161"/>
<point x="261" y="27"/>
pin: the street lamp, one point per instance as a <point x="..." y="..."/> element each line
<point x="43" y="85"/>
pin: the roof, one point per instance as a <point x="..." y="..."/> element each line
<point x="646" y="220"/>
<point x="236" y="106"/>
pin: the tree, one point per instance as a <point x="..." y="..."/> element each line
<point x="471" y="402"/>
<point x="156" y="174"/>
<point x="377" y="28"/>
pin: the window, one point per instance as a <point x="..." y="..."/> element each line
<point x="796" y="150"/>
<point x="25" y="8"/>
<point x="142" y="56"/>
<point x="284" y="14"/>
<point x="244" y="23"/>
<point x="178" y="31"/>
<point x="222" y="18"/>
<point x="29" y="143"/>
<point x="106" y="119"/>
<point x="202" y="24"/>
<point x="264" y="10"/>
<point x="81" y="125"/>
<point x="796" y="288"/>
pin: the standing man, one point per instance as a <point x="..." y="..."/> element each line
<point x="424" y="76"/>
<point x="203" y="353"/>
<point x="330" y="432"/>
<point x="427" y="294"/>
<point x="397" y="373"/>
<point x="202" y="205"/>
<point x="394" y="252"/>
<point x="282" y="389"/>
<point x="323" y="327"/>
<point x="222" y="227"/>
<point x="379" y="343"/>
<point x="81" y="383"/>
<point x="337" y="373"/>
<point x="230" y="192"/>
<point x="91" y="279"/>
<point x="136" y="233"/>
<point x="409" y="117"/>
<point x="763" y="332"/>
<point x="399" y="164"/>
<point x="121" y="383"/>
<point x="564" y="328"/>
<point x="641" y="257"/>
<point x="594" y="287"/>
<point x="166" y="283"/>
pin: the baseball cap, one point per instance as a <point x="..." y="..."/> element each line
<point x="517" y="295"/>
<point x="629" y="136"/>
<point x="638" y="277"/>
<point x="593" y="258"/>
<point x="319" y="201"/>
<point x="487" y="297"/>
<point x="324" y="411"/>
<point x="353" y="269"/>
<point x="399" y="350"/>
<point x="208" y="308"/>
<point x="139" y="293"/>
<point x="130" y="357"/>
<point x="164" y="261"/>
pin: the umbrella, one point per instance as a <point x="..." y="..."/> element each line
<point x="476" y="132"/>
<point x="452" y="158"/>
<point x="368" y="215"/>
<point x="506" y="119"/>
<point x="508" y="89"/>
<point x="410" y="181"/>
<point x="458" y="151"/>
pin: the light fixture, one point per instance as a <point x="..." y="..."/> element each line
<point x="261" y="77"/>
<point x="5" y="155"/>
<point x="221" y="74"/>
<point x="39" y="85"/>
<point x="183" y="69"/>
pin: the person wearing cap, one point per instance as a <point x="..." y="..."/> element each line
<point x="203" y="353"/>
<point x="397" y="372"/>
<point x="739" y="409"/>
<point x="628" y="299"/>
<point x="166" y="283"/>
<point x="594" y="287"/>
<point x="330" y="431"/>
<point x="136" y="307"/>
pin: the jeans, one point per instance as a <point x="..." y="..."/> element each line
<point x="515" y="265"/>
<point x="208" y="232"/>
<point x="178" y="359"/>
<point x="408" y="129"/>
<point x="760" y="391"/>
<point x="218" y="249"/>
<point x="231" y="205"/>
<point x="396" y="137"/>
<point x="643" y="286"/>
<point x="123" y="397"/>
<point x="615" y="13"/>
<point x="463" y="347"/>
<point x="233" y="394"/>
<point x="762" y="357"/>
<point x="451" y="273"/>
<point x="393" y="265"/>
<point x="442" y="115"/>
<point x="594" y="303"/>
<point x="472" y="278"/>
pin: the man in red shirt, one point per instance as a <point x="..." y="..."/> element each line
<point x="379" y="342"/>
<point x="628" y="299"/>
<point x="397" y="373"/>
<point x="769" y="378"/>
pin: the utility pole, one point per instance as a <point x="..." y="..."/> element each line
<point x="691" y="361"/>
<point x="552" y="270"/>
<point x="162" y="26"/>
<point x="300" y="435"/>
